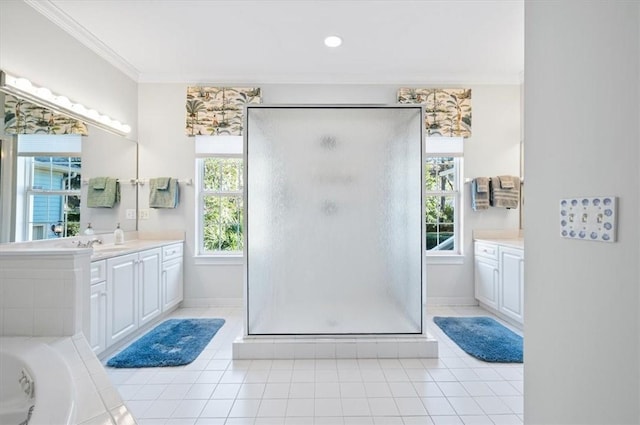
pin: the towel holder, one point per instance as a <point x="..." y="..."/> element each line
<point x="86" y="182"/>
<point x="467" y="180"/>
<point x="142" y="182"/>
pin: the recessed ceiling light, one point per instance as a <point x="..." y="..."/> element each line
<point x="332" y="41"/>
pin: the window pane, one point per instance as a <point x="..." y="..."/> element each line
<point x="440" y="216"/>
<point x="54" y="216"/>
<point x="440" y="174"/>
<point x="222" y="174"/>
<point x="222" y="226"/>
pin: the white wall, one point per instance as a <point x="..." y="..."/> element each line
<point x="33" y="47"/>
<point x="165" y="150"/>
<point x="581" y="298"/>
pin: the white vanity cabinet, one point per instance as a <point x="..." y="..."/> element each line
<point x="172" y="284"/>
<point x="133" y="287"/>
<point x="122" y="297"/>
<point x="98" y="306"/>
<point x="499" y="279"/>
<point x="486" y="274"/>
<point x="512" y="283"/>
<point x="131" y="290"/>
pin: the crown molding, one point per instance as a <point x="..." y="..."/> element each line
<point x="80" y="33"/>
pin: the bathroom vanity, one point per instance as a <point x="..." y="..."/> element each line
<point x="132" y="286"/>
<point x="499" y="276"/>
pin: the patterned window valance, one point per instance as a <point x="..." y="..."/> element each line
<point x="23" y="117"/>
<point x="447" y="111"/>
<point x="217" y="111"/>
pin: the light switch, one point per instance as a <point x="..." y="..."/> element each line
<point x="590" y="219"/>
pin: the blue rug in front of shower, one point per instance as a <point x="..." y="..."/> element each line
<point x="483" y="338"/>
<point x="174" y="342"/>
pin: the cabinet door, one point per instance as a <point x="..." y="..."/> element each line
<point x="98" y="309"/>
<point x="149" y="284"/>
<point x="486" y="281"/>
<point x="512" y="283"/>
<point x="122" y="297"/>
<point x="172" y="283"/>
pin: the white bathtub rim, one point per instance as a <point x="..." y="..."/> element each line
<point x="54" y="386"/>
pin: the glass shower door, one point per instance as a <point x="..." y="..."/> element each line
<point x="334" y="225"/>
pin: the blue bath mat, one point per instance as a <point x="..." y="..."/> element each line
<point x="174" y="342"/>
<point x="483" y="338"/>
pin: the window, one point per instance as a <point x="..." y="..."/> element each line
<point x="443" y="196"/>
<point x="220" y="205"/>
<point x="48" y="181"/>
<point x="442" y="204"/>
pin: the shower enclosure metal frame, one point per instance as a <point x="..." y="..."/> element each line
<point x="417" y="109"/>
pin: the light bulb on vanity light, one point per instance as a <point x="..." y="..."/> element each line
<point x="332" y="41"/>
<point x="43" y="97"/>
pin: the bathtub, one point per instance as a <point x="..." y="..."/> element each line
<point x="36" y="386"/>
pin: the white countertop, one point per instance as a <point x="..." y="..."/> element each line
<point x="511" y="242"/>
<point x="101" y="252"/>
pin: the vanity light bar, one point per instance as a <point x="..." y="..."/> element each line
<point x="42" y="96"/>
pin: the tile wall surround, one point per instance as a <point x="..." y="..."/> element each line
<point x="42" y="291"/>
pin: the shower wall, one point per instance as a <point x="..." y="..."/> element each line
<point x="334" y="220"/>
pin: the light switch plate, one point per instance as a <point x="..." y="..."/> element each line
<point x="589" y="218"/>
<point x="144" y="214"/>
<point x="131" y="214"/>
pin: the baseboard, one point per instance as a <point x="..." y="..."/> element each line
<point x="450" y="301"/>
<point x="212" y="302"/>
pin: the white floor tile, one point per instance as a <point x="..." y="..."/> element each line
<point x="302" y="390"/>
<point x="383" y="407"/>
<point x="272" y="408"/>
<point x="189" y="409"/>
<point x="437" y="406"/>
<point x="453" y="389"/>
<point x="217" y="390"/>
<point x="355" y="407"/>
<point x="505" y="419"/>
<point x="377" y="389"/>
<point x="476" y="420"/>
<point x="328" y="407"/>
<point x="276" y="390"/>
<point x="301" y="407"/>
<point x="245" y="408"/>
<point x="493" y="405"/>
<point x="465" y="406"/>
<point x="352" y="390"/>
<point x="217" y="409"/>
<point x="251" y="391"/>
<point x="410" y="406"/>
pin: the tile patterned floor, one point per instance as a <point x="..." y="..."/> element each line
<point x="216" y="390"/>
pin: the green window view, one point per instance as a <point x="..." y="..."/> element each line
<point x="440" y="203"/>
<point x="222" y="204"/>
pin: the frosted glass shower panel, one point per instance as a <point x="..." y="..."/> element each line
<point x="334" y="220"/>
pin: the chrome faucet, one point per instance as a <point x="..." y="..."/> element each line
<point x="89" y="243"/>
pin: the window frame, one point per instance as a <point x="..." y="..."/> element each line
<point x="26" y="166"/>
<point x="203" y="256"/>
<point x="456" y="255"/>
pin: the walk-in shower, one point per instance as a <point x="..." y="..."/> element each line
<point x="334" y="224"/>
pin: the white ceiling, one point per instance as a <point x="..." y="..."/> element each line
<point x="463" y="41"/>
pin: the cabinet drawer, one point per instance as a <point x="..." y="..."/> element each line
<point x="170" y="252"/>
<point x="486" y="250"/>
<point x="98" y="271"/>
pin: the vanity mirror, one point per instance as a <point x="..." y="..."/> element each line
<point x="44" y="180"/>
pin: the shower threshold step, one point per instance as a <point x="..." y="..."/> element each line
<point x="310" y="347"/>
